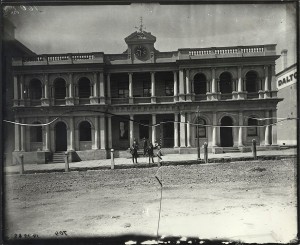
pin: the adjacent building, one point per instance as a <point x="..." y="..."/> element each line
<point x="89" y="103"/>
<point x="287" y="89"/>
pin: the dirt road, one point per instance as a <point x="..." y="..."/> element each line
<point x="247" y="201"/>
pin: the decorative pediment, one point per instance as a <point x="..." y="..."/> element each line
<point x="140" y="37"/>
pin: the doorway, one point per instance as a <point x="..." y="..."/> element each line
<point x="60" y="137"/>
<point x="226" y="132"/>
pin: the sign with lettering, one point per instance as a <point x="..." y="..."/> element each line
<point x="287" y="79"/>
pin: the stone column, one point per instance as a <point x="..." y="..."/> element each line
<point x="102" y="133"/>
<point x="16" y="88"/>
<point x="22" y="103"/>
<point x="181" y="85"/>
<point x="267" y="129"/>
<point x="182" y="130"/>
<point x="70" y="91"/>
<point x="153" y="98"/>
<point x="72" y="133"/>
<point x="267" y="88"/>
<point x="176" y="130"/>
<point x="109" y="134"/>
<point x="188" y="131"/>
<point x="96" y="134"/>
<point x="108" y="89"/>
<point x="241" y="123"/>
<point x="188" y="85"/>
<point x="214" y="85"/>
<point x="131" y="135"/>
<point x="23" y="148"/>
<point x="214" y="131"/>
<point x="153" y="128"/>
<point x="47" y="137"/>
<point x="101" y="88"/>
<point x="94" y="89"/>
<point x="130" y="88"/>
<point x="175" y="86"/>
<point x="17" y="135"/>
<point x="274" y="128"/>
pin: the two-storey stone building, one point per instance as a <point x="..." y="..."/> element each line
<point x="103" y="101"/>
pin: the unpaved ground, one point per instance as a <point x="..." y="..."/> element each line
<point x="247" y="201"/>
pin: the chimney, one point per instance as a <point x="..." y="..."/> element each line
<point x="284" y="58"/>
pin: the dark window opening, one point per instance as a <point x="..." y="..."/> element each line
<point x="123" y="90"/>
<point x="225" y="83"/>
<point x="84" y="88"/>
<point x="60" y="88"/>
<point x="252" y="131"/>
<point x="201" y="129"/>
<point x="36" y="133"/>
<point x="169" y="88"/>
<point x="123" y="130"/>
<point x="168" y="130"/>
<point x="146" y="89"/>
<point x="200" y="84"/>
<point x="144" y="130"/>
<point x="85" y="131"/>
<point x="251" y="82"/>
<point x="35" y="89"/>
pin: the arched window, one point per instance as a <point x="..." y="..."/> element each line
<point x="200" y="84"/>
<point x="201" y="129"/>
<point x="85" y="131"/>
<point x="225" y="83"/>
<point x="60" y="88"/>
<point x="252" y="82"/>
<point x="36" y="133"/>
<point x="253" y="130"/>
<point x="84" y="88"/>
<point x="35" y="89"/>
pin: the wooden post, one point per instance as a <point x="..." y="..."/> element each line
<point x="112" y="159"/>
<point x="21" y="164"/>
<point x="254" y="149"/>
<point x="67" y="169"/>
<point x="205" y="153"/>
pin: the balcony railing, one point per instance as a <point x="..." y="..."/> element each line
<point x="226" y="96"/>
<point x="252" y="96"/>
<point x="59" y="102"/>
<point x="84" y="101"/>
<point x="34" y="102"/>
<point x="199" y="97"/>
<point x="116" y="101"/>
<point x="142" y="100"/>
<point x="164" y="99"/>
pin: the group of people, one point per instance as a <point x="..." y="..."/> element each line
<point x="148" y="150"/>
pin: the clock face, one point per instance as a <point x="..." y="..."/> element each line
<point x="141" y="51"/>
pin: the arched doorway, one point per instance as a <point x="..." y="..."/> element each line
<point x="226" y="132"/>
<point x="60" y="137"/>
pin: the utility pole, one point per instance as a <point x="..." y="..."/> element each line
<point x="198" y="144"/>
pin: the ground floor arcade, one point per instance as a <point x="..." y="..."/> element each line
<point x="91" y="136"/>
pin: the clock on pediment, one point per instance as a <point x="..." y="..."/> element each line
<point x="140" y="45"/>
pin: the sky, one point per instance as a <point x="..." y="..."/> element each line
<point x="100" y="28"/>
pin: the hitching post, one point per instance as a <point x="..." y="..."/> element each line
<point x="21" y="164"/>
<point x="112" y="159"/>
<point x="205" y="153"/>
<point x="254" y="149"/>
<point x="66" y="162"/>
<point x="198" y="144"/>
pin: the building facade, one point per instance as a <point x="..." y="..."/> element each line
<point x="90" y="103"/>
<point x="287" y="89"/>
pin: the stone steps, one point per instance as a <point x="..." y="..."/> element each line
<point x="58" y="157"/>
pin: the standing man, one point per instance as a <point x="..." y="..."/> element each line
<point x="150" y="153"/>
<point x="133" y="151"/>
<point x="145" y="146"/>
